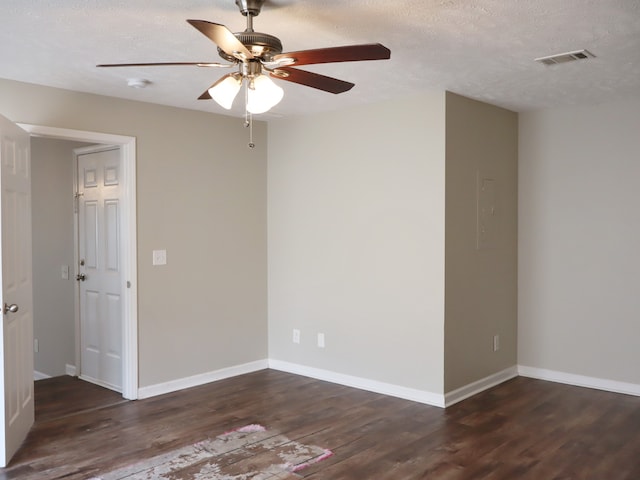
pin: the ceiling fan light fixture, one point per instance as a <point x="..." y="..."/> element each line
<point x="224" y="91"/>
<point x="263" y="94"/>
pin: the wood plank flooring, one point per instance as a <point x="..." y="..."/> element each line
<point x="59" y="397"/>
<point x="522" y="429"/>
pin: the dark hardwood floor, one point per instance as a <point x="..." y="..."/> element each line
<point x="522" y="429"/>
<point x="59" y="397"/>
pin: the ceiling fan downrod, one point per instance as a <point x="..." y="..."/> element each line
<point x="252" y="7"/>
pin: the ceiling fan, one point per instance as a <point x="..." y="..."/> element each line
<point x="259" y="56"/>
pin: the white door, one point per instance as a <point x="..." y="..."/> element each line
<point x="100" y="267"/>
<point x="16" y="345"/>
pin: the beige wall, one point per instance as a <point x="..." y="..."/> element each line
<point x="579" y="298"/>
<point x="356" y="235"/>
<point x="359" y="246"/>
<point x="202" y="196"/>
<point x="52" y="219"/>
<point x="481" y="283"/>
<point x="356" y="241"/>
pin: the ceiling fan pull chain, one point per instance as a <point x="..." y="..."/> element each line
<point x="248" y="116"/>
<point x="251" y="144"/>
<point x="246" y="101"/>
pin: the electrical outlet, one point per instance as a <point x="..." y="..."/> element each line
<point x="36" y="345"/>
<point x="296" y="335"/>
<point x="496" y="343"/>
<point x="321" y="340"/>
<point x="159" y="257"/>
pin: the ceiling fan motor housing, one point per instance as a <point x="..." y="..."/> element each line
<point x="261" y="45"/>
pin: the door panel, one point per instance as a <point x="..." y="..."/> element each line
<point x="112" y="257"/>
<point x="99" y="244"/>
<point x="17" y="413"/>
<point x="91" y="234"/>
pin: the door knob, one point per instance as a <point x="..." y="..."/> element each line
<point x="13" y="308"/>
<point x="81" y="277"/>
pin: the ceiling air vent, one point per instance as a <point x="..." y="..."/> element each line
<point x="565" y="57"/>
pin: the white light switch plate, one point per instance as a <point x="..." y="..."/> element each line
<point x="159" y="257"/>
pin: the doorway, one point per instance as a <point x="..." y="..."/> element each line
<point x="127" y="225"/>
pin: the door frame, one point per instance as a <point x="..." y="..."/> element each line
<point x="129" y="254"/>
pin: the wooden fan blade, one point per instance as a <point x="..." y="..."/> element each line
<point x="349" y="53"/>
<point x="205" y="95"/>
<point x="311" y="79"/>
<point x="167" y="64"/>
<point x="223" y="37"/>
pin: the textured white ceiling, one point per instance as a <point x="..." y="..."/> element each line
<point x="483" y="49"/>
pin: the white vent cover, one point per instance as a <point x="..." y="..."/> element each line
<point x="565" y="57"/>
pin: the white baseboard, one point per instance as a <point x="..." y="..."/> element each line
<point x="39" y="375"/>
<point x="420" y="396"/>
<point x="70" y="370"/>
<point x="579" y="380"/>
<point x="101" y="383"/>
<point x="200" y="379"/>
<point x="478" y="386"/>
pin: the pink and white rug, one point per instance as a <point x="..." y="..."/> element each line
<point x="246" y="453"/>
